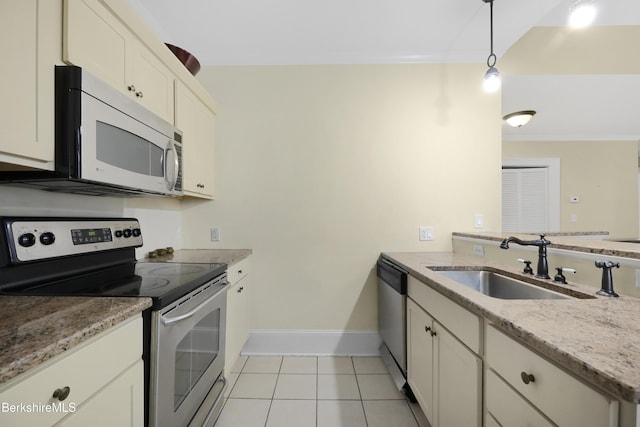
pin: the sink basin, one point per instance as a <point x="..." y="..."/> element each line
<point x="498" y="286"/>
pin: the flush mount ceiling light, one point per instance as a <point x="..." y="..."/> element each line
<point x="492" y="76"/>
<point x="582" y="13"/>
<point x="519" y="118"/>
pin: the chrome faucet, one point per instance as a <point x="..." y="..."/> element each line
<point x="542" y="271"/>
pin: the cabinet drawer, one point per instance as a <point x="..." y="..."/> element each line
<point x="566" y="400"/>
<point x="238" y="270"/>
<point x="85" y="369"/>
<point x="508" y="407"/>
<point x="465" y="325"/>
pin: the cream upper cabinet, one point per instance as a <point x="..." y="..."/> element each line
<point x="31" y="30"/>
<point x="196" y="121"/>
<point x="444" y="372"/>
<point x="90" y="384"/>
<point x="98" y="41"/>
<point x="238" y="311"/>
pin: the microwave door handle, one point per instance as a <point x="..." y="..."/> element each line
<point x="176" y="166"/>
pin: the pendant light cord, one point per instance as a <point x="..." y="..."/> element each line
<point x="491" y="60"/>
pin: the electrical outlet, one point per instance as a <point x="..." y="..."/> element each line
<point x="215" y="234"/>
<point x="478" y="250"/>
<point x="426" y="233"/>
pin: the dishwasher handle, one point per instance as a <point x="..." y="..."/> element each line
<point x="392" y="275"/>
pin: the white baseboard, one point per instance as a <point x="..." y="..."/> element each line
<point x="312" y="342"/>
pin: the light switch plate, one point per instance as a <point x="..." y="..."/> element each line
<point x="479" y="221"/>
<point x="426" y="233"/>
<point x="215" y="234"/>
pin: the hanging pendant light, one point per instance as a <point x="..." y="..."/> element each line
<point x="582" y="13"/>
<point x="492" y="76"/>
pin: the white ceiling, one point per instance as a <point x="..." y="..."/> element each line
<point x="276" y="32"/>
<point x="258" y="32"/>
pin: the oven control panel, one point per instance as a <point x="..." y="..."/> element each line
<point x="32" y="239"/>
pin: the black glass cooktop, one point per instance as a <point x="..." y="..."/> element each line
<point x="164" y="282"/>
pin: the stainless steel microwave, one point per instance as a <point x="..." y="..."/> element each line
<point x="106" y="143"/>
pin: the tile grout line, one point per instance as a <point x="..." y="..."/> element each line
<point x="317" y="387"/>
<point x="353" y="365"/>
<point x="273" y="395"/>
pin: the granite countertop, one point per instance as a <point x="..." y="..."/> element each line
<point x="226" y="256"/>
<point x="34" y="329"/>
<point x="569" y="242"/>
<point x="598" y="338"/>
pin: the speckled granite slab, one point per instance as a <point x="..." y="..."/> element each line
<point x="227" y="256"/>
<point x="570" y="243"/>
<point x="34" y="329"/>
<point x="598" y="339"/>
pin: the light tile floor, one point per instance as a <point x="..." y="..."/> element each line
<point x="276" y="391"/>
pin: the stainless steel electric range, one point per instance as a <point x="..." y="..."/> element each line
<point x="184" y="331"/>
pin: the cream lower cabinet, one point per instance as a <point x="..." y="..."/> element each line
<point x="521" y="385"/>
<point x="99" y="41"/>
<point x="196" y="121"/>
<point x="103" y="380"/>
<point x="443" y="372"/>
<point x="31" y="30"/>
<point x="238" y="312"/>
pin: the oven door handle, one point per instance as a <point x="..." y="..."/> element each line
<point x="170" y="320"/>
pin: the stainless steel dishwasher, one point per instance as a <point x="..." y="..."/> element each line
<point x="392" y="321"/>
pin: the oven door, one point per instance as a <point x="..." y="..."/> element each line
<point x="187" y="357"/>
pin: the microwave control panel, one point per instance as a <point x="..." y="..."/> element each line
<point x="38" y="239"/>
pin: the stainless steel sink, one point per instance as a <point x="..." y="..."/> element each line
<point x="498" y="286"/>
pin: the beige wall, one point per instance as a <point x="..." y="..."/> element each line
<point x="320" y="168"/>
<point x="604" y="174"/>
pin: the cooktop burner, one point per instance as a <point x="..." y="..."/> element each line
<point x="163" y="282"/>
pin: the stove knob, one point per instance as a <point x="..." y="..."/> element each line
<point x="136" y="232"/>
<point x="47" y="238"/>
<point x="118" y="233"/>
<point x="127" y="233"/>
<point x="26" y="240"/>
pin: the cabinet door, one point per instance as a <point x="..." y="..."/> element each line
<point x="97" y="41"/>
<point x="237" y="331"/>
<point x="420" y="361"/>
<point x="30" y="29"/>
<point x="196" y="121"/>
<point x="153" y="82"/>
<point x="120" y="403"/>
<point x="459" y="382"/>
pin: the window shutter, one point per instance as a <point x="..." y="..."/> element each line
<point x="525" y="199"/>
